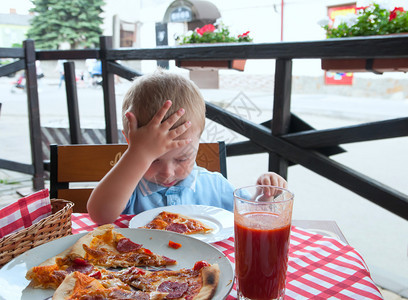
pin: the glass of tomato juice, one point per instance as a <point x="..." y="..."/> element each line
<point x="262" y="221"/>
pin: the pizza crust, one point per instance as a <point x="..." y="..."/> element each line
<point x="78" y="249"/>
<point x="33" y="276"/>
<point x="211" y="277"/>
<point x="65" y="289"/>
<point x="75" y="280"/>
<point x="53" y="260"/>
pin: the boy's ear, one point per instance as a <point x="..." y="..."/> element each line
<point x="124" y="134"/>
<point x="129" y="116"/>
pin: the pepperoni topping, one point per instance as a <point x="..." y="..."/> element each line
<point x="174" y="245"/>
<point x="59" y="275"/>
<point x="177" y="227"/>
<point x="80" y="261"/>
<point x="200" y="264"/>
<point x="80" y="265"/>
<point x="96" y="275"/>
<point x="126" y="245"/>
<point x="133" y="271"/>
<point x="175" y="289"/>
<point x="147" y="251"/>
<point x="168" y="261"/>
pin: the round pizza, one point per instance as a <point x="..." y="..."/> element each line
<point x="104" y="264"/>
<point x="198" y="283"/>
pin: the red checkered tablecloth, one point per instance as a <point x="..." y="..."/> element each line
<point x="319" y="267"/>
<point x="25" y="212"/>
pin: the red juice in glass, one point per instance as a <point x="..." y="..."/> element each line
<point x="261" y="254"/>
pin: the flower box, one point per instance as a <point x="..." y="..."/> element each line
<point x="371" y="20"/>
<point x="236" y="64"/>
<point x="377" y="65"/>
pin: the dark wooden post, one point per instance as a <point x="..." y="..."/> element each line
<point x="34" y="115"/>
<point x="108" y="85"/>
<point x="72" y="102"/>
<point x="281" y="112"/>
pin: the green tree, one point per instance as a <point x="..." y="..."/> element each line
<point x="77" y="22"/>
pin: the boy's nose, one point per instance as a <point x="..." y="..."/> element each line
<point x="167" y="169"/>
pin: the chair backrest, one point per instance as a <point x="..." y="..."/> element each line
<point x="74" y="169"/>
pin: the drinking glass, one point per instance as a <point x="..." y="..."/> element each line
<point x="262" y="221"/>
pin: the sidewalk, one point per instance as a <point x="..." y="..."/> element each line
<point x="378" y="235"/>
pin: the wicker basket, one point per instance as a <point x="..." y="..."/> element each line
<point x="56" y="225"/>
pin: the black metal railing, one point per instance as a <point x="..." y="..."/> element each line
<point x="286" y="138"/>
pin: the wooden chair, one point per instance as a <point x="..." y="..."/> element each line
<point x="75" y="169"/>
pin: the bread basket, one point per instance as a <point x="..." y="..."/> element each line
<point x="55" y="226"/>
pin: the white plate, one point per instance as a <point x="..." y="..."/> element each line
<point x="14" y="285"/>
<point x="220" y="220"/>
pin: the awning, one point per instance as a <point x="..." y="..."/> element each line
<point x="180" y="11"/>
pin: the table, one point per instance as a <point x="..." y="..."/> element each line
<point x="320" y="267"/>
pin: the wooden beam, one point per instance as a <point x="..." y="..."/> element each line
<point x="34" y="115"/>
<point x="378" y="193"/>
<point x="12" y="67"/>
<point x="16" y="166"/>
<point x="72" y="102"/>
<point x="122" y="71"/>
<point x="313" y="139"/>
<point x="67" y="54"/>
<point x="392" y="46"/>
<point x="12" y="52"/>
<point x="281" y="112"/>
<point x="109" y="98"/>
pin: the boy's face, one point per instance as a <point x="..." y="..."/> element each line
<point x="177" y="164"/>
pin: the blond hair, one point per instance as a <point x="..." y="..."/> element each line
<point x="149" y="92"/>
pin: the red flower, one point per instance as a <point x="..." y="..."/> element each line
<point x="205" y="28"/>
<point x="245" y="34"/>
<point x="393" y="14"/>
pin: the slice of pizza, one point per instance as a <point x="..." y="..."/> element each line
<point x="198" y="283"/>
<point x="101" y="247"/>
<point x="78" y="286"/>
<point x="177" y="223"/>
<point x="108" y="248"/>
<point x="52" y="272"/>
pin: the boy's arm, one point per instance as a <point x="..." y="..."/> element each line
<point x="146" y="144"/>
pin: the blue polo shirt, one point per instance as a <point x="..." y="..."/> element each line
<point x="201" y="187"/>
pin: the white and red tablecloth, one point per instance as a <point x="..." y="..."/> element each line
<point x="319" y="267"/>
<point x="24" y="212"/>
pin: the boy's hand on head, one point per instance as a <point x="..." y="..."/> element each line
<point x="156" y="138"/>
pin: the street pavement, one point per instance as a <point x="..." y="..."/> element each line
<point x="381" y="237"/>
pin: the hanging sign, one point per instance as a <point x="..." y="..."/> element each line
<point x="181" y="14"/>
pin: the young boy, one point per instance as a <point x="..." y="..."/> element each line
<point x="163" y="119"/>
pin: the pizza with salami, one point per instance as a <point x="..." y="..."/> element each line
<point x="177" y="223"/>
<point x="105" y="247"/>
<point x="84" y="271"/>
<point x="198" y="283"/>
<point x="78" y="286"/>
